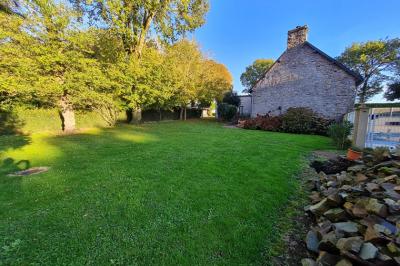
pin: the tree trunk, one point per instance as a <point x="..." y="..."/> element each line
<point x="185" y="114"/>
<point x="129" y="115"/>
<point x="363" y="89"/>
<point x="148" y="18"/>
<point x="181" y="114"/>
<point x="136" y="116"/>
<point x="67" y="115"/>
<point x="160" y="112"/>
<point x="362" y="94"/>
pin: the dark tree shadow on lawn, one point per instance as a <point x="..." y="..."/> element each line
<point x="10" y="123"/>
<point x="9" y="165"/>
<point x="13" y="141"/>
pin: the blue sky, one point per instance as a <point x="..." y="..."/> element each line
<point x="239" y="31"/>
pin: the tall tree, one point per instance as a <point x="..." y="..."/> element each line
<point x="184" y="59"/>
<point x="51" y="63"/>
<point x="393" y="91"/>
<point x="216" y="80"/>
<point x="133" y="20"/>
<point x="375" y="61"/>
<point x="254" y="72"/>
<point x="16" y="64"/>
<point x="231" y="98"/>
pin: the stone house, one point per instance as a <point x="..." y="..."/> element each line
<point x="245" y="105"/>
<point x="304" y="76"/>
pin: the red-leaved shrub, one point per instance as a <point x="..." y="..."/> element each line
<point x="298" y="120"/>
<point x="268" y="123"/>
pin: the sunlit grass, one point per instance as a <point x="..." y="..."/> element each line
<point x="157" y="194"/>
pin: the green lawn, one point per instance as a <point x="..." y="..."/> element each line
<point x="191" y="193"/>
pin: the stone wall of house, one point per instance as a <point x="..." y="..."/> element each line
<point x="245" y="105"/>
<point x="303" y="78"/>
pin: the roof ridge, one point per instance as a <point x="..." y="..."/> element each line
<point x="352" y="73"/>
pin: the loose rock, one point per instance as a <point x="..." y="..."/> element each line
<point x="312" y="241"/>
<point x="335" y="215"/>
<point x="352" y="244"/>
<point x="346" y="227"/>
<point x="377" y="208"/>
<point x="320" y="207"/>
<point x="356" y="214"/>
<point x="308" y="262"/>
<point x="344" y="262"/>
<point x="326" y="258"/>
<point x="368" y="251"/>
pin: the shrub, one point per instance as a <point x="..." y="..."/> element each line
<point x="267" y="123"/>
<point x="226" y="112"/>
<point x="304" y="121"/>
<point x="272" y="123"/>
<point x="320" y="126"/>
<point x="339" y="132"/>
<point x="250" y="123"/>
<point x="380" y="154"/>
<point x="231" y="98"/>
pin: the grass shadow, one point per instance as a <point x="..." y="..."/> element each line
<point x="13" y="141"/>
<point x="10" y="123"/>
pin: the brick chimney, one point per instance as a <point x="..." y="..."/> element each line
<point x="297" y="36"/>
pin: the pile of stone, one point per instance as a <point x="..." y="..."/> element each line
<point x="356" y="215"/>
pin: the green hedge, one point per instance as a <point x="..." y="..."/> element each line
<point x="36" y="120"/>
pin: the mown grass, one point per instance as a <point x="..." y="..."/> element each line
<point x="172" y="193"/>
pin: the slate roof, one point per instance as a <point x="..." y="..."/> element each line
<point x="358" y="78"/>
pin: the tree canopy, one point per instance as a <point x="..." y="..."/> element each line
<point x="136" y="24"/>
<point x="376" y="61"/>
<point x="133" y="20"/>
<point x="393" y="91"/>
<point x="254" y="72"/>
<point x="51" y="58"/>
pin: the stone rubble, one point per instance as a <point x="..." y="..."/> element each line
<point x="356" y="214"/>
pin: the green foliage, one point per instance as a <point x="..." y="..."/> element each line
<point x="17" y="71"/>
<point x="231" y="98"/>
<point x="53" y="64"/>
<point x="226" y="112"/>
<point x="376" y="61"/>
<point x="10" y="123"/>
<point x="339" y="133"/>
<point x="393" y="91"/>
<point x="215" y="80"/>
<point x="52" y="59"/>
<point x="380" y="154"/>
<point x="304" y="121"/>
<point x="118" y="195"/>
<point x="39" y="119"/>
<point x="254" y="72"/>
<point x="184" y="61"/>
<point x="145" y="79"/>
<point x="132" y="21"/>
